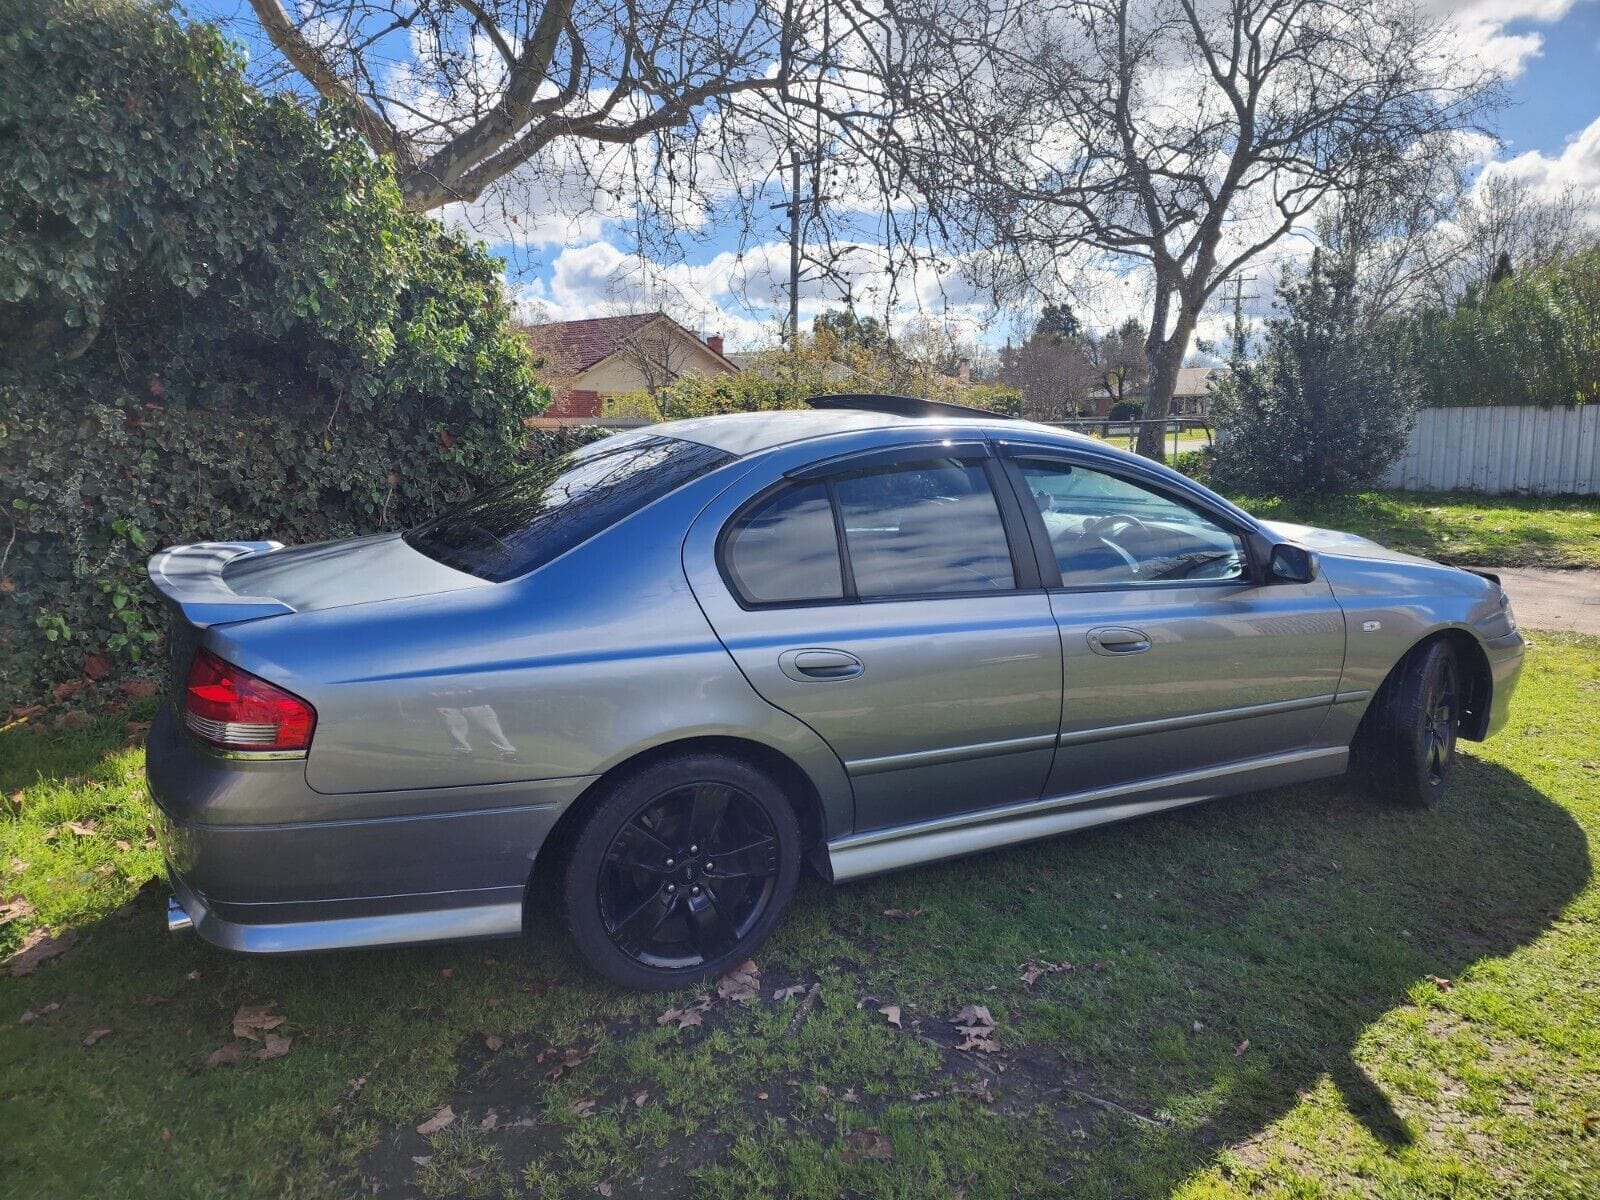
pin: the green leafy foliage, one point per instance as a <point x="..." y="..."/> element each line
<point x="217" y="321"/>
<point x="1326" y="407"/>
<point x="1522" y="339"/>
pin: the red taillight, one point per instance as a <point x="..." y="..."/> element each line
<point x="233" y="709"/>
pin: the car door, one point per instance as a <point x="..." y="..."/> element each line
<point x="1178" y="656"/>
<point x="885" y="602"/>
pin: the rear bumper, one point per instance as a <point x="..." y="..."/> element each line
<point x="261" y="863"/>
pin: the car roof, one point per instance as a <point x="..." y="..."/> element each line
<point x="750" y="433"/>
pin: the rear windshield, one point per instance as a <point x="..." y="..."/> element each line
<point x="549" y="509"/>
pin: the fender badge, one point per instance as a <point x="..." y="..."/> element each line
<point x="1371" y="626"/>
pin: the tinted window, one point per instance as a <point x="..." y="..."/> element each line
<point x="922" y="530"/>
<point x="786" y="549"/>
<point x="1107" y="530"/>
<point x="549" y="509"/>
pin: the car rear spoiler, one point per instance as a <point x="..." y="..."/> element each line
<point x="1489" y="575"/>
<point x="190" y="579"/>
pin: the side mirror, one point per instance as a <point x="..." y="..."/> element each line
<point x="1293" y="564"/>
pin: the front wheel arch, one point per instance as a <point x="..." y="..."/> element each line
<point x="1477" y="680"/>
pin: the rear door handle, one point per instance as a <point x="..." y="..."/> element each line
<point x="1115" y="639"/>
<point x="818" y="666"/>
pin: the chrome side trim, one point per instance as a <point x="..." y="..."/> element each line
<point x="1215" y="717"/>
<point x="928" y="841"/>
<point x="347" y="933"/>
<point x="1353" y="697"/>
<point x="949" y="754"/>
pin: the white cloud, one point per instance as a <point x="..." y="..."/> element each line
<point x="1576" y="167"/>
<point x="1485" y="28"/>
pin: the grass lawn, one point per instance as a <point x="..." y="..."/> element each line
<point x="1301" y="994"/>
<point x="1507" y="531"/>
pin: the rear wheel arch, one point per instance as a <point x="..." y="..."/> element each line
<point x="795" y="784"/>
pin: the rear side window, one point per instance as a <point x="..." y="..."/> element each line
<point x="929" y="528"/>
<point x="785" y="550"/>
<point x="551" y="508"/>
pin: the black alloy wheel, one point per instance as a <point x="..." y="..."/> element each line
<point x="688" y="875"/>
<point x="1406" y="746"/>
<point x="681" y="870"/>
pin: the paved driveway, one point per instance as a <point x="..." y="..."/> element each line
<point x="1546" y="599"/>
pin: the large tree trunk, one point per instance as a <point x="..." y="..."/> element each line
<point x="1166" y="356"/>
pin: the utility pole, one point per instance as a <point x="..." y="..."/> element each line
<point x="793" y="204"/>
<point x="794" y="254"/>
<point x="1236" y="350"/>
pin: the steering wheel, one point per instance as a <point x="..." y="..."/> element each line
<point x="1103" y="529"/>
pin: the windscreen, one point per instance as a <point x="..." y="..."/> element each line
<point x="547" y="510"/>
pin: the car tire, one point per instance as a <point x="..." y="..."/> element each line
<point x="651" y="907"/>
<point x="1406" y="746"/>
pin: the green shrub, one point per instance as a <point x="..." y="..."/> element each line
<point x="1327" y="406"/>
<point x="216" y="321"/>
<point x="1525" y="339"/>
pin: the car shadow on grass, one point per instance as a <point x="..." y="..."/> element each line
<point x="1206" y="970"/>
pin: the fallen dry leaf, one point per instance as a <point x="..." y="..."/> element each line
<point x="604" y="1189"/>
<point x="192" y="976"/>
<point x="787" y="993"/>
<point x="447" y="973"/>
<point x="96" y="666"/>
<point x="741" y="983"/>
<point x="903" y="914"/>
<point x="1032" y="971"/>
<point x="139" y="688"/>
<point x="227" y="1056"/>
<point x="565" y="1060"/>
<point x="438" y="1121"/>
<point x="687" y="1016"/>
<point x="422" y="1160"/>
<point x="82" y="828"/>
<point x="490" y="1120"/>
<point x="1238" y="1051"/>
<point x="867" y="1143"/>
<point x="1438" y="981"/>
<point x="276" y="1047"/>
<point x="37" y="946"/>
<point x="15" y="909"/>
<point x="124" y="845"/>
<point x="976" y="1028"/>
<point x="74" y="719"/>
<point x="492" y="1042"/>
<point x="95" y="1035"/>
<point x="891" y="1012"/>
<point x="581" y="1108"/>
<point x="32" y="1015"/>
<point x="639" y="1098"/>
<point x="252" y="1020"/>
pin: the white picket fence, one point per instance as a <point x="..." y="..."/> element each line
<point x="1541" y="451"/>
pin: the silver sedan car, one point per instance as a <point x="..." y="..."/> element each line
<point x="669" y="668"/>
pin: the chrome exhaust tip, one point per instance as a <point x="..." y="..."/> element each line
<point x="177" y="919"/>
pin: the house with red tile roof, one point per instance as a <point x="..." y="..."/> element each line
<point x="586" y="362"/>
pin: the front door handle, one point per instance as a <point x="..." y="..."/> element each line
<point x="818" y="666"/>
<point x="1115" y="639"/>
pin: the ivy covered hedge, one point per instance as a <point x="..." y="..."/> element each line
<point x="216" y="321"/>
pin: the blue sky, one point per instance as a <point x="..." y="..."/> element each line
<point x="572" y="266"/>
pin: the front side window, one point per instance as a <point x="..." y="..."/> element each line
<point x="551" y="508"/>
<point x="1106" y="530"/>
<point x="928" y="529"/>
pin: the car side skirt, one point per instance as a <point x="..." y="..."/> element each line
<point x="929" y="841"/>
